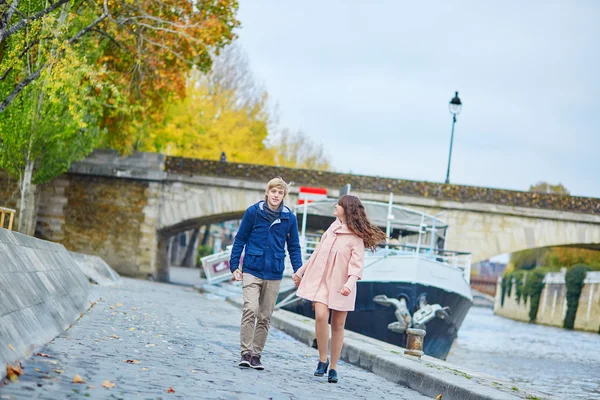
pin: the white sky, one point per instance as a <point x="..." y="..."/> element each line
<point x="371" y="80"/>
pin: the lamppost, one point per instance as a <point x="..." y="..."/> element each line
<point x="454" y="106"/>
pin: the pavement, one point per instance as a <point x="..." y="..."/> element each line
<point x="148" y="340"/>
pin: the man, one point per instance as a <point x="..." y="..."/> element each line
<point x="265" y="229"/>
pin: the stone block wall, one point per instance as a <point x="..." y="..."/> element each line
<point x="511" y="309"/>
<point x="42" y="291"/>
<point x="588" y="311"/>
<point x="108" y="217"/>
<point x="553" y="303"/>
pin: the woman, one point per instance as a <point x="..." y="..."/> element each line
<point x="329" y="277"/>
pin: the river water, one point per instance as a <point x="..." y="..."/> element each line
<point x="552" y="360"/>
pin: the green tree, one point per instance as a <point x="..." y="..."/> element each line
<point x="52" y="120"/>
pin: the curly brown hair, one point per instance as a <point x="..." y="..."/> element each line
<point x="358" y="222"/>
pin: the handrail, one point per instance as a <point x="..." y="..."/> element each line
<point x="455" y="259"/>
<point x="11" y="217"/>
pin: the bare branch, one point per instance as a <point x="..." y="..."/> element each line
<point x="20" y="87"/>
<point x="9" y="14"/>
<point x="112" y="39"/>
<point x="36" y="41"/>
<point x="156" y="28"/>
<point x="159" y="20"/>
<point x="162" y="46"/>
<point x="24" y="22"/>
<point x="88" y="28"/>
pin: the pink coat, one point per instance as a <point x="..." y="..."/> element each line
<point x="340" y="254"/>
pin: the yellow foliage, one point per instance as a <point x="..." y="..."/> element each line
<point x="203" y="125"/>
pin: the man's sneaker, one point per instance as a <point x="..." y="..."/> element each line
<point x="255" y="363"/>
<point x="245" y="361"/>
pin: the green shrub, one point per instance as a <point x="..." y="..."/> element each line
<point x="574" y="280"/>
<point x="504" y="288"/>
<point x="509" y="280"/>
<point x="518" y="278"/>
<point x="533" y="289"/>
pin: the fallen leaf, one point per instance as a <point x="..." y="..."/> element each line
<point x="144" y="369"/>
<point x="150" y="345"/>
<point x="112" y="307"/>
<point x="59" y="371"/>
<point x="132" y="329"/>
<point x="120" y="305"/>
<point x="91" y="387"/>
<point x="10" y="346"/>
<point x="53" y="362"/>
<point x="108" y="384"/>
<point x="133" y="308"/>
<point x="78" y="379"/>
<point x="132" y="361"/>
<point x="193" y="370"/>
<point x="37" y="370"/>
<point x="171" y="390"/>
<point x="439" y="397"/>
<point x="42" y="354"/>
<point x="114" y="336"/>
<point x="13" y="372"/>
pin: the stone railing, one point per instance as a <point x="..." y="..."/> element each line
<point x="438" y="191"/>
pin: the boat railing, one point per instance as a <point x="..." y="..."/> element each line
<point x="455" y="259"/>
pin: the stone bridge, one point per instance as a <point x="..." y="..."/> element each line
<point x="126" y="209"/>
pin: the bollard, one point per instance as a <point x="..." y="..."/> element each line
<point x="414" y="342"/>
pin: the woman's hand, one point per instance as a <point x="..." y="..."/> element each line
<point x="296" y="280"/>
<point x="345" y="291"/>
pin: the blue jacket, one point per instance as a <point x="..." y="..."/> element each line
<point x="265" y="243"/>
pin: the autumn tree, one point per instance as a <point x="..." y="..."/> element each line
<point x="545" y="187"/>
<point x="203" y="124"/>
<point x="149" y="48"/>
<point x="227" y="110"/>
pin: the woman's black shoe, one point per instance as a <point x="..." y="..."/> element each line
<point x="322" y="368"/>
<point x="332" y="377"/>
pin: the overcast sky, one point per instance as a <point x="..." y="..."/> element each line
<point x="371" y="80"/>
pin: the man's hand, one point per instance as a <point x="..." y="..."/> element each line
<point x="237" y="275"/>
<point x="296" y="280"/>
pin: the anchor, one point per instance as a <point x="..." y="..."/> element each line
<point x="422" y="316"/>
<point x="402" y="314"/>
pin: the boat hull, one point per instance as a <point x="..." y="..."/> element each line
<point x="372" y="319"/>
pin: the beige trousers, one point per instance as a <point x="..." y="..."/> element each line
<point x="260" y="296"/>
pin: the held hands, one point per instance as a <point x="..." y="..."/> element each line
<point x="237" y="275"/>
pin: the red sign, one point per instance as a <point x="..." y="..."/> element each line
<point x="311" y="194"/>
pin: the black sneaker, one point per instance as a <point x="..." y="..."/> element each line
<point x="255" y="362"/>
<point x="245" y="361"/>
